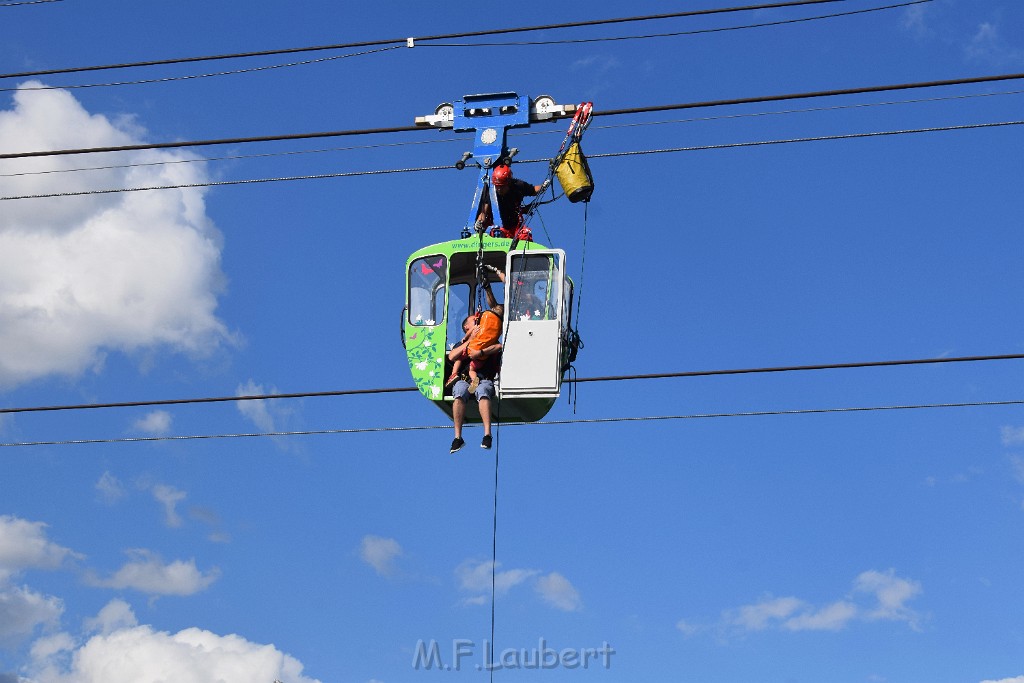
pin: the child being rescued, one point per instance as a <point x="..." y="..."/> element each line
<point x="484" y="330"/>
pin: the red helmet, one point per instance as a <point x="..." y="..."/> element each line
<point x="502" y="174"/>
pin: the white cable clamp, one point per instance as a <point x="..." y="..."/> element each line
<point x="410" y="42"/>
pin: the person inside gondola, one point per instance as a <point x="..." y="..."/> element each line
<point x="482" y="335"/>
<point x="511" y="192"/>
<point x="528" y="306"/>
<point x="480" y="346"/>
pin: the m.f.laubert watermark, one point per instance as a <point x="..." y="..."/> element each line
<point x="464" y="652"/>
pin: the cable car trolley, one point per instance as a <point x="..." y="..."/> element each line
<point x="445" y="282"/>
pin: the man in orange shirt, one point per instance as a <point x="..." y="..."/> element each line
<point x="482" y="347"/>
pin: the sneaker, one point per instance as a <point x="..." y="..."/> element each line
<point x="457" y="443"/>
<point x="486" y="443"/>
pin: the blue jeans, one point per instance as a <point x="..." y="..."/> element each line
<point x="483" y="391"/>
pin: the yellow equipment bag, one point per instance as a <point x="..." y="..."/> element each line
<point x="573" y="174"/>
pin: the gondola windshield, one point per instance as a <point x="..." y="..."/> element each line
<point x="427" y="278"/>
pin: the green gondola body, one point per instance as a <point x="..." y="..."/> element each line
<point x="441" y="290"/>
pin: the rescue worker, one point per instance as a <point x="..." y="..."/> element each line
<point x="511" y="192"/>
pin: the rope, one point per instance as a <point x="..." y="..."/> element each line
<point x="494" y="535"/>
<point x="596" y="420"/>
<point x="583" y="263"/>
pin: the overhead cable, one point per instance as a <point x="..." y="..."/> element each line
<point x="606" y="155"/>
<point x="417" y="39"/>
<point x="596" y="420"/>
<point x="812" y="94"/>
<point x="27" y="2"/>
<point x="610" y="126"/>
<point x="675" y="34"/>
<point x="233" y="72"/>
<point x="608" y="378"/>
<point x="819" y="138"/>
<point x="168" y="79"/>
<point x="610" y="112"/>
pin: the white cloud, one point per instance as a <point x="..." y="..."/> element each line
<point x="156" y="423"/>
<point x="557" y="591"/>
<point x="140" y="654"/>
<point x="987" y="45"/>
<point x="914" y="20"/>
<point x="81" y="276"/>
<point x="109" y="488"/>
<point x="266" y="415"/>
<point x="23" y="545"/>
<point x="115" y="615"/>
<point x="23" y="610"/>
<point x="601" y="64"/>
<point x="688" y="629"/>
<point x="1015" y="679"/>
<point x="169" y="497"/>
<point x="475" y="577"/>
<point x="49" y="646"/>
<point x="890" y="595"/>
<point x="1017" y="463"/>
<point x="147" y="573"/>
<point x="832" y="617"/>
<point x="759" y="616"/>
<point x="1012" y="436"/>
<point x="212" y="519"/>
<point x="380" y="553"/>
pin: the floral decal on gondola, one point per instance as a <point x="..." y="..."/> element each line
<point x="425" y="349"/>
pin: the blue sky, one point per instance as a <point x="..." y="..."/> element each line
<point x="872" y="546"/>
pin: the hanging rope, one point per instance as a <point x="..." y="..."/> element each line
<point x="583" y="264"/>
<point x="494" y="533"/>
<point x="480" y="277"/>
<point x="579" y="124"/>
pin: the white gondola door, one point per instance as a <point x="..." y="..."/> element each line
<point x="531" y="364"/>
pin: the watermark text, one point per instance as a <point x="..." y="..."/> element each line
<point x="465" y="653"/>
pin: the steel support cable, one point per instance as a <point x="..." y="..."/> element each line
<point x="595" y="420"/>
<point x="610" y="112"/>
<point x="237" y="157"/>
<point x="820" y="138"/>
<point x="607" y="378"/>
<point x="224" y="183"/>
<point x="786" y="112"/>
<point x="676" y="34"/>
<point x="208" y="143"/>
<point x="415" y="39"/>
<point x="606" y="155"/>
<point x="612" y="126"/>
<point x="306" y="62"/>
<point x="816" y="93"/>
<point x="190" y="77"/>
<point x="27" y="2"/>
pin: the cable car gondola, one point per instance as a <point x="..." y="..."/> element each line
<point x="442" y="288"/>
<point x="444" y="281"/>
